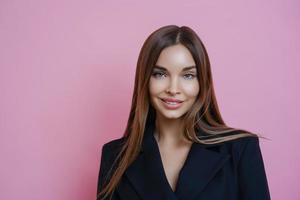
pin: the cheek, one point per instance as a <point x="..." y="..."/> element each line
<point x="191" y="90"/>
<point x="155" y="87"/>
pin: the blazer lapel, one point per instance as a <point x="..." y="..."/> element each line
<point x="199" y="168"/>
<point x="147" y="175"/>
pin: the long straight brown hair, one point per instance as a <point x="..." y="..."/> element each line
<point x="204" y="115"/>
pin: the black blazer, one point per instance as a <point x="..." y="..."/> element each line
<point x="231" y="170"/>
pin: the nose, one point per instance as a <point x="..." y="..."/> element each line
<point x="173" y="87"/>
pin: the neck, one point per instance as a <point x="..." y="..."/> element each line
<point x="169" y="131"/>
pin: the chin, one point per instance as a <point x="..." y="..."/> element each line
<point x="171" y="114"/>
<point x="173" y="117"/>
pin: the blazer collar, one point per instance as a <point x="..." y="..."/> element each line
<point x="148" y="177"/>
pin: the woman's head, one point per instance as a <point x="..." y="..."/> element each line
<point x="160" y="74"/>
<point x="174" y="78"/>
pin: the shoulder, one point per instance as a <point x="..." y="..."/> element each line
<point x="237" y="147"/>
<point x="246" y="142"/>
<point x="114" y="143"/>
<point x="243" y="142"/>
<point x="111" y="148"/>
<point x="245" y="148"/>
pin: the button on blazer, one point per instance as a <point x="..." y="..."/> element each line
<point x="231" y="170"/>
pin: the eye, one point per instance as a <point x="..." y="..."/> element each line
<point x="190" y="76"/>
<point x="157" y="74"/>
<point x="160" y="74"/>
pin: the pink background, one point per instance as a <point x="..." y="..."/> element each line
<point x="67" y="74"/>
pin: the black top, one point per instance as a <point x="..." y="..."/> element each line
<point x="231" y="170"/>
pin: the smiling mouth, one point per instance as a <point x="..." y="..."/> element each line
<point x="171" y="105"/>
<point x="171" y="100"/>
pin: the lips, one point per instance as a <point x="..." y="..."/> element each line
<point x="171" y="103"/>
<point x="171" y="100"/>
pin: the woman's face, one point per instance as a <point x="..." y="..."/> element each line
<point x="174" y="78"/>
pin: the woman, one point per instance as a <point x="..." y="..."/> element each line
<point x="176" y="144"/>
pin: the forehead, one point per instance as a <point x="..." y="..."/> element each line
<point x="176" y="57"/>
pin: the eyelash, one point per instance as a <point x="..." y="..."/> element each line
<point x="155" y="73"/>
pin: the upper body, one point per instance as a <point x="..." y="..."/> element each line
<point x="174" y="88"/>
<point x="231" y="170"/>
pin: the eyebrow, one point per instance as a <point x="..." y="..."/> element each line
<point x="184" y="69"/>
